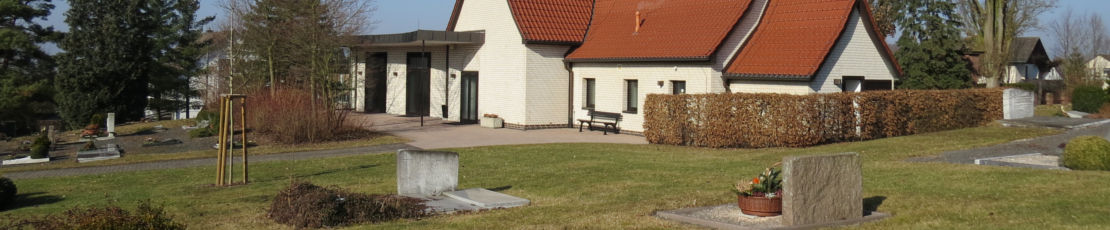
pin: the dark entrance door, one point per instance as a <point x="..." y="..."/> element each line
<point x="375" y="82"/>
<point x="418" y="96"/>
<point x="469" y="98"/>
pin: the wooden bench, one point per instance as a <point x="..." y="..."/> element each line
<point x="607" y="120"/>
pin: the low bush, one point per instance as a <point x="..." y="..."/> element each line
<point x="1022" y="85"/>
<point x="201" y="132"/>
<point x="292" y="116"/>
<point x="1087" y="153"/>
<point x="779" y="120"/>
<point x="306" y="205"/>
<point x="98" y="119"/>
<point x="7" y="192"/>
<point x="40" y="148"/>
<point x="145" y="216"/>
<point x="1088" y="99"/>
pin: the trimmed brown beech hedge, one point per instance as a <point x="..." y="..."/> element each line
<point x="780" y="120"/>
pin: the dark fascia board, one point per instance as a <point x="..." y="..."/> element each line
<point x="543" y="42"/>
<point x="473" y="37"/>
<point x="767" y="77"/>
<point x="634" y="59"/>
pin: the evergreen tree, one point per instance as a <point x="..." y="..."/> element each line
<point x="114" y="50"/>
<point x="929" y="47"/>
<point x="25" y="70"/>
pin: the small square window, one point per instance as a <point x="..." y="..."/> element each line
<point x="632" y="96"/>
<point x="678" y="87"/>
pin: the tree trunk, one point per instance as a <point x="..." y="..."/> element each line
<point x="992" y="82"/>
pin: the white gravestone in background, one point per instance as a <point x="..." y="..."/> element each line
<point x="1017" y="104"/>
<point x="111" y="124"/>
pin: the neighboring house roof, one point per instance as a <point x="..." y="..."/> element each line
<point x="545" y="21"/>
<point x="668" y="30"/>
<point x="795" y="37"/>
<point x="1028" y="50"/>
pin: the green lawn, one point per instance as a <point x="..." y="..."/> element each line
<point x="619" y="186"/>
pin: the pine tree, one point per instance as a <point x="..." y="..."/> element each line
<point x="929" y="47"/>
<point x="114" y="50"/>
<point x="25" y="70"/>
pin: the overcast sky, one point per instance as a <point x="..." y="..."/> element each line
<point x="398" y="16"/>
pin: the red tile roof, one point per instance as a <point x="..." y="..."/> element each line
<point x="552" y="21"/>
<point x="794" y="38"/>
<point x="670" y="30"/>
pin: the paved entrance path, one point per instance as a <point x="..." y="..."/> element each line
<point x="1047" y="145"/>
<point x="436" y="133"/>
<point x="171" y="164"/>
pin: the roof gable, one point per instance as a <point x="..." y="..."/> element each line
<point x="796" y="36"/>
<point x="552" y="21"/>
<point x="793" y="38"/>
<point x="669" y="30"/>
<point x="1028" y="50"/>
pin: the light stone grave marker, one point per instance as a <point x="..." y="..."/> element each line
<point x="818" y="191"/>
<point x="822" y="188"/>
<point x="111" y="123"/>
<point x="426" y="173"/>
<point x="434" y="176"/>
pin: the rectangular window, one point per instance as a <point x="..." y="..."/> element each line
<point x="590" y="94"/>
<point x="631" y="96"/>
<point x="678" y="87"/>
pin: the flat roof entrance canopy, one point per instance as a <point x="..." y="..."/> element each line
<point x="422" y="38"/>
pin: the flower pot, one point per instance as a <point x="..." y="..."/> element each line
<point x="760" y="206"/>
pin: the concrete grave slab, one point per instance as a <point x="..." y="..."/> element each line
<point x="112" y="151"/>
<point x="426" y="173"/>
<point x="822" y="188"/>
<point x="446" y="205"/>
<point x="487" y="199"/>
<point x="1032" y="160"/>
<point x="25" y="160"/>
<point x="728" y="216"/>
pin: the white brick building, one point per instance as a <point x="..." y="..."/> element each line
<point x="544" y="64"/>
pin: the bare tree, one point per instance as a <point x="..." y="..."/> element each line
<point x="992" y="25"/>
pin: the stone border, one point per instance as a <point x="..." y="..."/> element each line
<point x="680" y="215"/>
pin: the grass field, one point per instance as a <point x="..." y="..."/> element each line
<point x="608" y="186"/>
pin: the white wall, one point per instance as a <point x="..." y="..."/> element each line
<point x="547" y="85"/>
<point x="855" y="54"/>
<point x="786" y="87"/>
<point x="610" y="81"/>
<point x="501" y="84"/>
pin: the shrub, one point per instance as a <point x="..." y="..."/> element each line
<point x="98" y="119"/>
<point x="307" y="205"/>
<point x="110" y="217"/>
<point x="41" y="147"/>
<point x="1088" y="99"/>
<point x="1022" y="85"/>
<point x="7" y="192"/>
<point x="292" y="116"/>
<point x="205" y="132"/>
<point x="1087" y="153"/>
<point x="780" y="120"/>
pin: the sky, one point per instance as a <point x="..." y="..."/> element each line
<point x="399" y="16"/>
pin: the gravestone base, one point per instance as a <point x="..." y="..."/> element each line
<point x="107" y="153"/>
<point x="25" y="160"/>
<point x="487" y="199"/>
<point x="728" y="216"/>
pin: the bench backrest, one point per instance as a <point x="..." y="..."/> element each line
<point x="604" y="115"/>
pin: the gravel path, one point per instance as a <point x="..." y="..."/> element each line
<point x="205" y="162"/>
<point x="1047" y="145"/>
